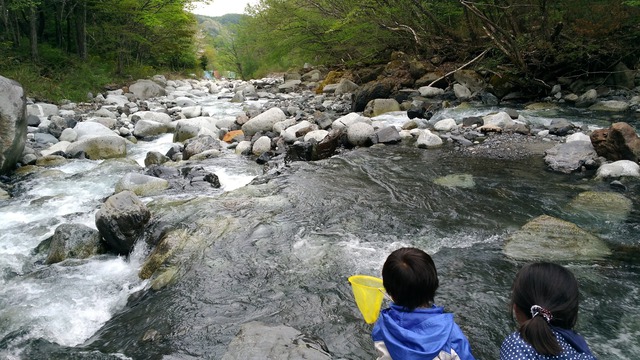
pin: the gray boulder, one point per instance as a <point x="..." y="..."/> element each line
<point x="345" y="86"/>
<point x="360" y="133"/>
<point x="99" y="147"/>
<point x="13" y="123"/>
<point x="141" y="185"/>
<point x="121" y="221"/>
<point x="256" y="340"/>
<point x="264" y="121"/>
<point x="552" y="239"/>
<point x="377" y="107"/>
<point x="200" y="144"/>
<point x="145" y="89"/>
<point x="618" y="169"/>
<point x="427" y="139"/>
<point x="149" y="128"/>
<point x="261" y="146"/>
<point x="151" y="115"/>
<point x="571" y="156"/>
<point x="74" y="241"/>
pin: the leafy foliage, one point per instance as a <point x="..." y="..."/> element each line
<point x="535" y="38"/>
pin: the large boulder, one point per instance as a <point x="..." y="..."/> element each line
<point x="13" y="123"/>
<point x="602" y="205"/>
<point x="572" y="156"/>
<point x="619" y="142"/>
<point x="264" y="121"/>
<point x="618" y="168"/>
<point x="145" y="89"/>
<point x="99" y="147"/>
<point x="552" y="239"/>
<point x="141" y="185"/>
<point x="74" y="241"/>
<point x="121" y="221"/>
<point x="371" y="91"/>
<point x="256" y="340"/>
<point x="377" y="107"/>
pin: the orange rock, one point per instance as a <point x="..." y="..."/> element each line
<point x="231" y="135"/>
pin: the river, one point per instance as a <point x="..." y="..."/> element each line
<point x="281" y="252"/>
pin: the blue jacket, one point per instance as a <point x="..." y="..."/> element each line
<point x="424" y="333"/>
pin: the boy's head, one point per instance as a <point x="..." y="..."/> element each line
<point x="409" y="276"/>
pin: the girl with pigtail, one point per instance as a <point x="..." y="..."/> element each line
<point x="544" y="299"/>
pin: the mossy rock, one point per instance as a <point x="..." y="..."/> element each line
<point x="553" y="239"/>
<point x="602" y="205"/>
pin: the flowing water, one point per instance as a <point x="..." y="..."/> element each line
<point x="280" y="252"/>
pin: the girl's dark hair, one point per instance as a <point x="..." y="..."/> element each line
<point x="409" y="276"/>
<point x="552" y="287"/>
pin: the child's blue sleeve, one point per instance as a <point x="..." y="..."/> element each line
<point x="460" y="344"/>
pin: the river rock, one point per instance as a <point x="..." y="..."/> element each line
<point x="256" y="340"/>
<point x="610" y="105"/>
<point x="605" y="206"/>
<point x="618" y="169"/>
<point x="141" y="185"/>
<point x="200" y="144"/>
<point x="430" y="91"/>
<point x="345" y="86"/>
<point x="192" y="111"/>
<point x="552" y="239"/>
<point x="347" y="120"/>
<point x="619" y="142"/>
<point x="261" y="146"/>
<point x="170" y="243"/>
<point x="121" y="221"/>
<point x="317" y="135"/>
<point x="91" y="129"/>
<point x="264" y="121"/>
<point x="470" y="79"/>
<point x="501" y="120"/>
<point x="359" y="134"/>
<point x="99" y="147"/>
<point x="74" y="241"/>
<point x="292" y="133"/>
<point x="427" y="139"/>
<point x="387" y="135"/>
<point x="155" y="158"/>
<point x="148" y="128"/>
<point x="445" y="125"/>
<point x="461" y="92"/>
<point x="69" y="135"/>
<point x="377" y="107"/>
<point x="145" y="89"/>
<point x="151" y="115"/>
<point x="587" y="99"/>
<point x="13" y="123"/>
<point x="370" y="91"/>
<point x="570" y="157"/>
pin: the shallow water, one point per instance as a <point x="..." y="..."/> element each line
<point x="281" y="253"/>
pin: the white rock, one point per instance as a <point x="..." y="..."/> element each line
<point x="261" y="146"/>
<point x="446" y="125"/>
<point x="618" y="169"/>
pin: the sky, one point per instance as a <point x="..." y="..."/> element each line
<point x="222" y="7"/>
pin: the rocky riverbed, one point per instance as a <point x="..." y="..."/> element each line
<point x="296" y="118"/>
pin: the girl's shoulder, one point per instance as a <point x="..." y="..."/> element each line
<point x="515" y="348"/>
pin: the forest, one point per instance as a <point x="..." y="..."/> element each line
<point x="110" y="40"/>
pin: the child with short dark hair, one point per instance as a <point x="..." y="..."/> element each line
<point x="413" y="327"/>
<point x="544" y="300"/>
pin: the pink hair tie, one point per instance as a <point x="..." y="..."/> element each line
<point x="539" y="310"/>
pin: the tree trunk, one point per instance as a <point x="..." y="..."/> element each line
<point x="4" y="17"/>
<point x="81" y="29"/>
<point x="33" y="32"/>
